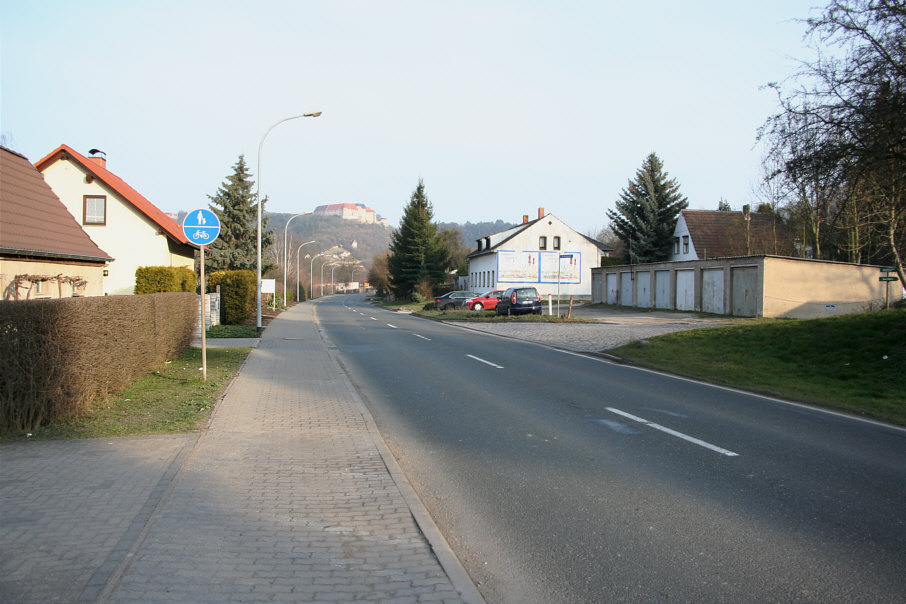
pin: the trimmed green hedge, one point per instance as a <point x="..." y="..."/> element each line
<point x="62" y="357"/>
<point x="237" y="294"/>
<point x="159" y="279"/>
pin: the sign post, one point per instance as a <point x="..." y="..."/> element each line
<point x="559" y="268"/>
<point x="887" y="278"/>
<point x="201" y="227"/>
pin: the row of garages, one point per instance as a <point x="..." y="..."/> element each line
<point x="751" y="286"/>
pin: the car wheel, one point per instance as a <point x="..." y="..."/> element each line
<point x="477" y="306"/>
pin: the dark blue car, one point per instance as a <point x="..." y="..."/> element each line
<point x="519" y="301"/>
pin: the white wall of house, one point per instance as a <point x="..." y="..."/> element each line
<point x="129" y="236"/>
<point x="683" y="246"/>
<point x="521" y="261"/>
<point x="10" y="267"/>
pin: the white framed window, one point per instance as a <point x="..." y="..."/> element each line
<point x="556" y="242"/>
<point x="676" y="245"/>
<point x="542" y="243"/>
<point x="685" y="244"/>
<point x="94" y="209"/>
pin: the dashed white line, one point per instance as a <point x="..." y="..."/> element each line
<point x="421" y="336"/>
<point x="393" y="326"/>
<point x="471" y="356"/>
<point x="685" y="437"/>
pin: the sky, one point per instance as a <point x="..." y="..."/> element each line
<point x="501" y="107"/>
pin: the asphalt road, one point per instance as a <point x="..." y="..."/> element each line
<point x="562" y="478"/>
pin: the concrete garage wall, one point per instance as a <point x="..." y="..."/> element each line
<point x="749" y="286"/>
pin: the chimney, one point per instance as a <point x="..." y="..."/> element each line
<point x="540" y="213"/>
<point x="98" y="157"/>
<point x="525" y="219"/>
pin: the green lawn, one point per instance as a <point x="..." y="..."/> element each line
<point x="856" y="363"/>
<point x="170" y="400"/>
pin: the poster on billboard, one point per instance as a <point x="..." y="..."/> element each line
<point x="517" y="267"/>
<point x="565" y="265"/>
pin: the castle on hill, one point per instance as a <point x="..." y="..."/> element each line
<point x="352" y="211"/>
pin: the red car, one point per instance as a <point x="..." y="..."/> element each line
<point x="486" y="301"/>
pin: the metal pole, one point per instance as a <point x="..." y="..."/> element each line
<point x="285" y="242"/>
<point x="297" y="268"/>
<point x="258" y="197"/>
<point x="204" y="327"/>
<point x="311" y="274"/>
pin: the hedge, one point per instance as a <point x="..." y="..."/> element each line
<point x="158" y="279"/>
<point x="237" y="294"/>
<point x="62" y="357"/>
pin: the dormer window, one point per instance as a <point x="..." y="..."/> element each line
<point x="685" y="244"/>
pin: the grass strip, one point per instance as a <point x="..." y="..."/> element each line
<point x="855" y="363"/>
<point x="232" y="331"/>
<point x="173" y="399"/>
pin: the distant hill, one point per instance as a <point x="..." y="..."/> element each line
<point x="370" y="239"/>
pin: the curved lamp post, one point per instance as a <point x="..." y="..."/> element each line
<point x="285" y="243"/>
<point x="311" y="275"/>
<point x="297" y="269"/>
<point x="258" y="196"/>
<point x="322" y="275"/>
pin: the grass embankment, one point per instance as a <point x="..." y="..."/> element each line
<point x="171" y="400"/>
<point x="855" y="363"/>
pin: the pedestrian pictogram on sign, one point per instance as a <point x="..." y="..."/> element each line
<point x="201" y="227"/>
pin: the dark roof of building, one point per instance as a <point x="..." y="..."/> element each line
<point x="33" y="221"/>
<point x="99" y="171"/>
<point x="717" y="234"/>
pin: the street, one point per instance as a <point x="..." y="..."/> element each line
<point x="558" y="477"/>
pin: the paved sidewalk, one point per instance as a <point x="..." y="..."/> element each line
<point x="289" y="496"/>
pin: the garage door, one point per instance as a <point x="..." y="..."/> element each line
<point x="626" y="289"/>
<point x="662" y="289"/>
<point x="612" y="288"/>
<point x="685" y="290"/>
<point x="643" y="291"/>
<point x="745" y="291"/>
<point x="713" y="290"/>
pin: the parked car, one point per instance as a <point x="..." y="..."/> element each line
<point x="486" y="301"/>
<point x="452" y="300"/>
<point x="519" y="301"/>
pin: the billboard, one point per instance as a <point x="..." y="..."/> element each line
<point x="539" y="267"/>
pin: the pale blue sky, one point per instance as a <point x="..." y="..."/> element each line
<point x="500" y="106"/>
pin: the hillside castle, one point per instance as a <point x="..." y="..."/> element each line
<point x="358" y="212"/>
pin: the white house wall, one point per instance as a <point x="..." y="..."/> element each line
<point x="521" y="256"/>
<point x="129" y="236"/>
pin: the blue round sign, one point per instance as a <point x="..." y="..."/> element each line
<point x="201" y="227"/>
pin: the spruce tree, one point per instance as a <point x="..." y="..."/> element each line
<point x="416" y="254"/>
<point x="646" y="213"/>
<point x="234" y="204"/>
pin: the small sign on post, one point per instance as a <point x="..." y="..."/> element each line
<point x="886" y="277"/>
<point x="201" y="227"/>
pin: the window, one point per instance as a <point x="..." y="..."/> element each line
<point x="542" y="243"/>
<point x="685" y="244"/>
<point x="556" y="243"/>
<point x="676" y="245"/>
<point x="95" y="209"/>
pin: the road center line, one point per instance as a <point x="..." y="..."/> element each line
<point x="372" y="318"/>
<point x="421" y="336"/>
<point x="393" y="326"/>
<point x="471" y="356"/>
<point x="685" y="437"/>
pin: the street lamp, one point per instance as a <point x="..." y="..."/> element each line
<point x="258" y="195"/>
<point x="297" y="268"/>
<point x="311" y="275"/>
<point x="332" y="282"/>
<point x="322" y="276"/>
<point x="285" y="242"/>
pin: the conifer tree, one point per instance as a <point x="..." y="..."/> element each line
<point x="236" y="248"/>
<point x="646" y="213"/>
<point x="416" y="254"/>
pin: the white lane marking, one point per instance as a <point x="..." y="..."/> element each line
<point x="471" y="356"/>
<point x="421" y="336"/>
<point x="372" y="318"/>
<point x="393" y="326"/>
<point x="685" y="437"/>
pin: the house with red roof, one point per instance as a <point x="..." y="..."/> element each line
<point x="704" y="234"/>
<point x="115" y="216"/>
<point x="44" y="253"/>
